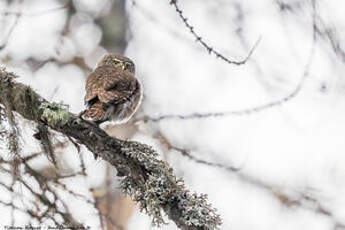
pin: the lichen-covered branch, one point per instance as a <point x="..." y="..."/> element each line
<point x="149" y="181"/>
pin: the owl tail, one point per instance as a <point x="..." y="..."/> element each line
<point x="96" y="113"/>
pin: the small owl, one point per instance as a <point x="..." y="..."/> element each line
<point x="112" y="91"/>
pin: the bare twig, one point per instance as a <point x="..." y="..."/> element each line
<point x="209" y="48"/>
<point x="33" y="14"/>
<point x="7" y="37"/>
<point x="248" y="111"/>
<point x="184" y="152"/>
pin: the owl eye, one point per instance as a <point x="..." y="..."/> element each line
<point x="115" y="61"/>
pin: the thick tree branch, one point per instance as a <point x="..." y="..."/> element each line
<point x="149" y="181"/>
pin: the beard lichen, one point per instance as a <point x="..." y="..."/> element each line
<point x="12" y="132"/>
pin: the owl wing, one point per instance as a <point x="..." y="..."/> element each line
<point x="94" y="84"/>
<point x="118" y="88"/>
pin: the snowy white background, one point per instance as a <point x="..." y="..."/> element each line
<point x="291" y="156"/>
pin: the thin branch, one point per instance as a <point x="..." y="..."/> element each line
<point x="248" y="111"/>
<point x="209" y="48"/>
<point x="15" y="23"/>
<point x="33" y="14"/>
<point x="187" y="153"/>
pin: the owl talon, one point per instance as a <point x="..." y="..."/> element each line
<point x="80" y="115"/>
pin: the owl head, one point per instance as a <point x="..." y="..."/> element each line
<point x="117" y="61"/>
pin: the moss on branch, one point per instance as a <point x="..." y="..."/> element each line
<point x="147" y="179"/>
<point x="54" y="114"/>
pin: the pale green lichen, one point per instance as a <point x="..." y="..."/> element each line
<point x="162" y="190"/>
<point x="55" y="114"/>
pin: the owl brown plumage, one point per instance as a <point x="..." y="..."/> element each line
<point x="112" y="91"/>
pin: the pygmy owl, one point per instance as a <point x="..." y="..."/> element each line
<point x="112" y="91"/>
